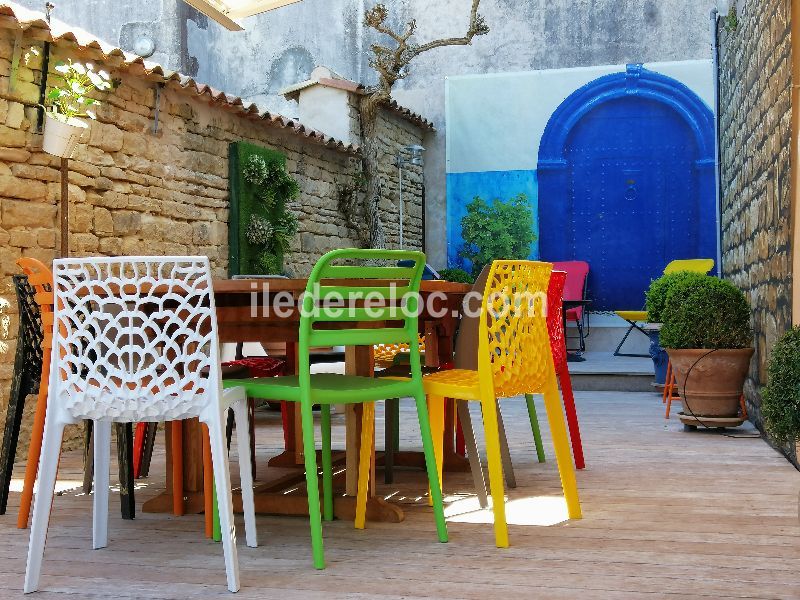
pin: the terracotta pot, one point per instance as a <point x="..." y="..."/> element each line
<point x="715" y="380"/>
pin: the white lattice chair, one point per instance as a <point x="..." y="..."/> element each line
<point x="131" y="338"/>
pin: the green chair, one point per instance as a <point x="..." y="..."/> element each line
<point x="347" y="293"/>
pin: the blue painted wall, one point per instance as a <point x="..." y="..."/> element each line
<point x="463" y="187"/>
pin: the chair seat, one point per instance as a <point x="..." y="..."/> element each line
<point x="632" y="315"/>
<point x="455" y="383"/>
<point x="326" y="388"/>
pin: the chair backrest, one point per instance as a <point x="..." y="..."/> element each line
<point x="41" y="279"/>
<point x="555" y="319"/>
<point x="465" y="355"/>
<point x="514" y="345"/>
<point x="132" y="336"/>
<point x="577" y="276"/>
<point x="694" y="265"/>
<point x="350" y="286"/>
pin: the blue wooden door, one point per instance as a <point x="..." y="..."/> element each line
<point x="632" y="197"/>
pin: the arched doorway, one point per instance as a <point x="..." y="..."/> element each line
<point x="626" y="182"/>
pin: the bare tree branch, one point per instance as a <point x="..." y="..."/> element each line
<point x="391" y="64"/>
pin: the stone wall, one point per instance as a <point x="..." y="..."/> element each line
<point x="133" y="191"/>
<point x="755" y="120"/>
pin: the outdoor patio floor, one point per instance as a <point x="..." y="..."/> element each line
<point x="667" y="514"/>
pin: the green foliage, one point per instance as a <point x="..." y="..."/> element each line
<point x="780" y="403"/>
<point x="731" y="20"/>
<point x="259" y="231"/>
<point x="456" y="276"/>
<point x="706" y="312"/>
<point x="285" y="227"/>
<point x="265" y="190"/>
<point x="275" y="185"/>
<point x="656" y="296"/>
<point x="71" y="99"/>
<point x="500" y="230"/>
<point x="267" y="263"/>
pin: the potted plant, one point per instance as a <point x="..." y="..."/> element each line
<point x="780" y="399"/>
<point x="655" y="299"/>
<point x="70" y="100"/>
<point x="706" y="331"/>
<point x="456" y="276"/>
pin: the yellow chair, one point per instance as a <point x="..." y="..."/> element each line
<point x="634" y="317"/>
<point x="514" y="358"/>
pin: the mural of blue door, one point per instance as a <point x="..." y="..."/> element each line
<point x="626" y="182"/>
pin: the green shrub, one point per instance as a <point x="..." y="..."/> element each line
<point x="456" y="276"/>
<point x="500" y="230"/>
<point x="706" y="312"/>
<point x="268" y="263"/>
<point x="781" y="397"/>
<point x="656" y="296"/>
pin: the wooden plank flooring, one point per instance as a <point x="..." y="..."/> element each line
<point x="667" y="514"/>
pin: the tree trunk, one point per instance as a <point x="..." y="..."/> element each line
<point x="370" y="161"/>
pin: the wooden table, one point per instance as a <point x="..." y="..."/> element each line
<point x="245" y="313"/>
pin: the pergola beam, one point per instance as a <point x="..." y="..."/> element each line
<point x="226" y="12"/>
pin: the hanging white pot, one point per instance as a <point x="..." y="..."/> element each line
<point x="61" y="137"/>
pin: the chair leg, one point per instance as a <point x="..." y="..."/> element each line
<point x="391" y="409"/>
<point x="208" y="484"/>
<point x="472" y="452"/>
<point x="139" y="437"/>
<point x="327" y="464"/>
<point x="245" y="472"/>
<point x="537" y="434"/>
<point x="492" y="434"/>
<point x="125" y="461"/>
<point x="505" y="453"/>
<point x="667" y="382"/>
<point x="572" y="417"/>
<point x="436" y="408"/>
<point x="558" y="429"/>
<point x="102" y="450"/>
<point x="430" y="466"/>
<point x="48" y="468"/>
<point x="149" y="444"/>
<point x="222" y="482"/>
<point x="364" y="462"/>
<point x="88" y="456"/>
<point x="176" y="429"/>
<point x="581" y="337"/>
<point x="16" y="404"/>
<point x="312" y="484"/>
<point x="670" y="387"/>
<point x="34" y="449"/>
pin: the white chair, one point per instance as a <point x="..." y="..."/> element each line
<point x="131" y="338"/>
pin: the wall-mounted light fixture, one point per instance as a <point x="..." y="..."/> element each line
<point x="408" y="155"/>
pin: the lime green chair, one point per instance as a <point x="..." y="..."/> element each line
<point x="332" y="296"/>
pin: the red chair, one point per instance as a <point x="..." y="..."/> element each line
<point x="558" y="345"/>
<point x="575" y="289"/>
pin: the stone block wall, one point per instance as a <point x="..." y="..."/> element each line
<point x="133" y="191"/>
<point x="755" y="122"/>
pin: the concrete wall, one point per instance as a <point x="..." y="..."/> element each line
<point x="755" y="117"/>
<point x="282" y="47"/>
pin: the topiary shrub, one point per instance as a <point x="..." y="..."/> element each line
<point x="780" y="404"/>
<point x="706" y="312"/>
<point x="656" y="296"/>
<point x="500" y="230"/>
<point x="456" y="276"/>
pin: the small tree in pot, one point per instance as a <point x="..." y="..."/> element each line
<point x="706" y="331"/>
<point x="655" y="300"/>
<point x="781" y="397"/>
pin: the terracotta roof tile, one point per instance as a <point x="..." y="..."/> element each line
<point x="33" y="24"/>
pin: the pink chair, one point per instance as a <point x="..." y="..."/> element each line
<point x="575" y="289"/>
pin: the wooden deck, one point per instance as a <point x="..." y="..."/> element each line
<point x="666" y="514"/>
